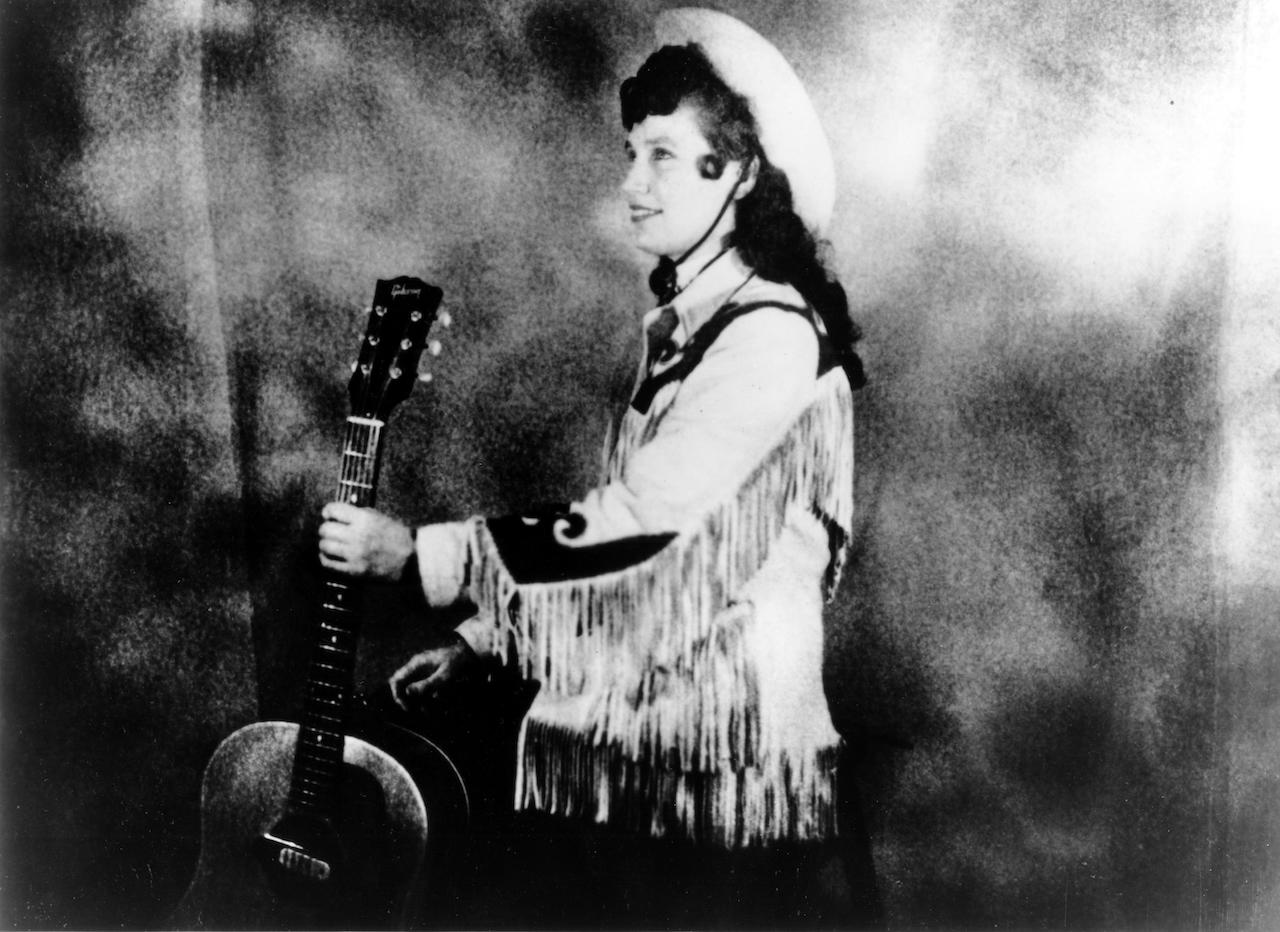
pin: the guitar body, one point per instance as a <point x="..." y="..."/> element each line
<point x="367" y="867"/>
<point x="324" y="824"/>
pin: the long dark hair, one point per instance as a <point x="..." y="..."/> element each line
<point x="768" y="234"/>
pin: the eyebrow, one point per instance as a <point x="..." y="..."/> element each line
<point x="660" y="140"/>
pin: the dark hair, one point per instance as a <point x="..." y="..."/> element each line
<point x="768" y="234"/>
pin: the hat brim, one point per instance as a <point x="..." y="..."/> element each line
<point x="790" y="131"/>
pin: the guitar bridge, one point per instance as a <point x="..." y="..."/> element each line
<point x="298" y="855"/>
<point x="293" y="859"/>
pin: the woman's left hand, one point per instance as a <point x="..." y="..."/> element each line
<point x="363" y="542"/>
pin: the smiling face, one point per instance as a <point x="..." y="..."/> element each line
<point x="671" y="203"/>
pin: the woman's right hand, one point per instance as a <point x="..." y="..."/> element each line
<point x="428" y="672"/>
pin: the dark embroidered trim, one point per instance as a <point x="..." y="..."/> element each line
<point x="701" y="341"/>
<point x="829" y="358"/>
<point x="658" y="343"/>
<point x="837" y="540"/>
<point x="532" y="554"/>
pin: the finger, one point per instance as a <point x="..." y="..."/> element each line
<point x="345" y="564"/>
<point x="396" y="693"/>
<point x="428" y="688"/>
<point x="414" y="663"/>
<point x="411" y="695"/>
<point x="414" y="693"/>
<point x="437" y="679"/>
<point x="337" y="565"/>
<point x="333" y="548"/>
<point x="402" y="677"/>
<point x="391" y="693"/>
<point x="341" y="512"/>
<point x="334" y="529"/>
<point x="344" y="534"/>
<point x="396" y="684"/>
<point x="438" y="672"/>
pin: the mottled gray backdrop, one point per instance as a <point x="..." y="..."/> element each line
<point x="1056" y="640"/>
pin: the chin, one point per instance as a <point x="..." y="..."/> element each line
<point x="650" y="248"/>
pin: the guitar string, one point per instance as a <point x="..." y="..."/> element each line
<point x="314" y="758"/>
<point x="314" y="762"/>
<point x="313" y="769"/>
<point x="356" y="474"/>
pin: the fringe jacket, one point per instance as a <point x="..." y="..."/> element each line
<point x="674" y="614"/>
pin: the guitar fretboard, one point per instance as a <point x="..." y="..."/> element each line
<point x="318" y="760"/>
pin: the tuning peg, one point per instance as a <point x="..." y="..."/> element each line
<point x="445" y="319"/>
<point x="354" y="363"/>
<point x="425" y="377"/>
<point x="435" y="347"/>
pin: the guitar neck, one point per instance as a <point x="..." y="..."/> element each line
<point x="330" y="679"/>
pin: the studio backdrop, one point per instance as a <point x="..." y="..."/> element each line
<point x="1055" y="643"/>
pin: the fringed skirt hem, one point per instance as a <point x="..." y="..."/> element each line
<point x="787" y="797"/>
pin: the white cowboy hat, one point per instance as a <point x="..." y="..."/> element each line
<point x="790" y="132"/>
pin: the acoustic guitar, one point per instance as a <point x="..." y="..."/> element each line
<point x="325" y="823"/>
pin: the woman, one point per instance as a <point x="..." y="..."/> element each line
<point x="674" y="614"/>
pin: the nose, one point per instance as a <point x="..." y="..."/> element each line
<point x="636" y="180"/>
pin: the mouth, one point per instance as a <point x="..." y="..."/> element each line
<point x="639" y="213"/>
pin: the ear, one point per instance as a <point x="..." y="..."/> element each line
<point x="749" y="172"/>
<point x="710" y="166"/>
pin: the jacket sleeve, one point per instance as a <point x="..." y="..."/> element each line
<point x="728" y="412"/>
<point x="443" y="554"/>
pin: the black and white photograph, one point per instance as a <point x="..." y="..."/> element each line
<point x="621" y="464"/>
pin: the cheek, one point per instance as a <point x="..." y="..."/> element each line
<point x="679" y="195"/>
<point x="692" y="208"/>
<point x="677" y="185"/>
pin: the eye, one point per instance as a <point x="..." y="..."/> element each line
<point x="630" y="152"/>
<point x="661" y="155"/>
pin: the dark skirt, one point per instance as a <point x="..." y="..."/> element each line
<point x="545" y="872"/>
<point x="527" y="870"/>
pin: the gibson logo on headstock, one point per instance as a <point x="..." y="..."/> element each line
<point x="398" y="290"/>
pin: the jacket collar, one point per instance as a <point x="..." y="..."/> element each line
<point x="703" y="294"/>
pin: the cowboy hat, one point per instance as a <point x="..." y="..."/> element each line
<point x="790" y="133"/>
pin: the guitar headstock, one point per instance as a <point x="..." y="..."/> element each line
<point x="399" y="322"/>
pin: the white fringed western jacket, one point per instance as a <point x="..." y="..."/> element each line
<point x="674" y="614"/>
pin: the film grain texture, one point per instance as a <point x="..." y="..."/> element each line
<point x="1055" y="639"/>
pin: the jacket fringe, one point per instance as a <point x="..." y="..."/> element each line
<point x="649" y="715"/>
<point x="789" y="797"/>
